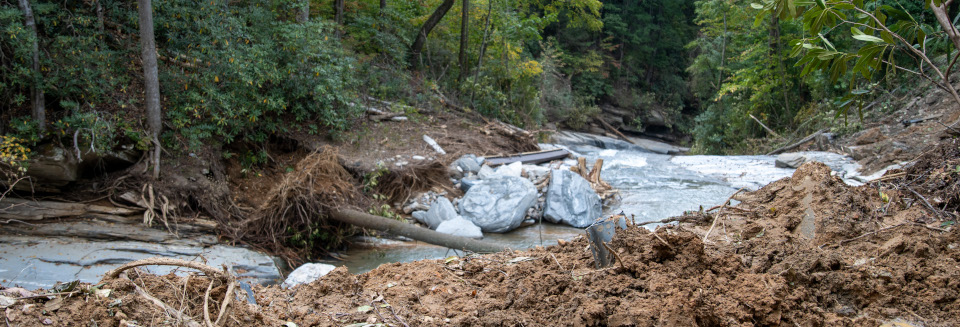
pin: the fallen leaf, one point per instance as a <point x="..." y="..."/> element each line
<point x="6" y="301"/>
<point x="102" y="293"/>
<point x="53" y="305"/>
<point x="364" y="309"/>
<point x="290" y="324"/>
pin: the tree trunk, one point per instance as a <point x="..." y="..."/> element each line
<point x="943" y="17"/>
<point x="338" y="15"/>
<point x="383" y="5"/>
<point x="99" y="16"/>
<point x="151" y="83"/>
<point x="464" y="39"/>
<point x="303" y="15"/>
<point x="428" y="26"/>
<point x="396" y="227"/>
<point x="39" y="110"/>
<point x="483" y="48"/>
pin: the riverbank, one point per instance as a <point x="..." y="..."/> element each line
<point x="805" y="250"/>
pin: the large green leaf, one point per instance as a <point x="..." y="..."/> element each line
<point x="868" y="38"/>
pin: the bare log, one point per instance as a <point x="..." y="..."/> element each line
<point x="396" y="227"/>
<point x="799" y="143"/>
<point x="764" y="126"/>
<point x="615" y="131"/>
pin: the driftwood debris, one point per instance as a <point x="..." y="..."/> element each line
<point x="593" y="176"/>
<point x="397" y="227"/>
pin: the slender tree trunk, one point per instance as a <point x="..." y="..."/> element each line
<point x="383" y="5"/>
<point x="39" y="110"/>
<point x="338" y="15"/>
<point x="151" y="81"/>
<point x="483" y="47"/>
<point x="943" y="17"/>
<point x="428" y="26"/>
<point x="303" y="15"/>
<point x="464" y="40"/>
<point x="99" y="16"/>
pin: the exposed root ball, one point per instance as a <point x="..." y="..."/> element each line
<point x="296" y="206"/>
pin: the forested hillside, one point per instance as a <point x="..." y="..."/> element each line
<point x="241" y="71"/>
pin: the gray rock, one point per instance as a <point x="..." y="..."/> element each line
<point x="420" y="216"/>
<point x="307" y="273"/>
<point x="441" y="210"/>
<point x="536" y="174"/>
<point x="790" y="160"/>
<point x="486" y="172"/>
<point x="468" y="163"/>
<point x="467" y="182"/>
<point x="498" y="204"/>
<point x="53" y="165"/>
<point x="460" y="227"/>
<point x="39" y="262"/>
<point x="571" y="200"/>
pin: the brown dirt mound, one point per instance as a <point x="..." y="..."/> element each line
<point x="803" y="251"/>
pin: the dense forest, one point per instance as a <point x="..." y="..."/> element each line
<point x="241" y="71"/>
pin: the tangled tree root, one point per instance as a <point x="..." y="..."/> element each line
<point x="224" y="276"/>
<point x="299" y="203"/>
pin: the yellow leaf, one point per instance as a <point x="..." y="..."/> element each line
<point x="216" y="79"/>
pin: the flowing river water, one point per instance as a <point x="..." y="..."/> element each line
<point x="652" y="186"/>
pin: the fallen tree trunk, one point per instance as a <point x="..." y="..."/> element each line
<point x="799" y="143"/>
<point x="396" y="227"/>
<point x="615" y="131"/>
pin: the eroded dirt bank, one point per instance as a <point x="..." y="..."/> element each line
<point x="806" y="250"/>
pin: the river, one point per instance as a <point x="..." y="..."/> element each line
<point x="653" y="185"/>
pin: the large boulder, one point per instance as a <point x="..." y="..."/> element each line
<point x="307" y="273"/>
<point x="498" y="204"/>
<point x="460" y="227"/>
<point x="571" y="200"/>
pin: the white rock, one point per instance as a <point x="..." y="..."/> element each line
<point x="460" y="227"/>
<point x="307" y="273"/>
<point x="514" y="169"/>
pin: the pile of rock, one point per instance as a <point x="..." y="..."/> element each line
<point x="498" y="200"/>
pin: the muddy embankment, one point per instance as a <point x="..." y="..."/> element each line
<point x="806" y="250"/>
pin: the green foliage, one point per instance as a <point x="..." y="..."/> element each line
<point x="93" y="130"/>
<point x="246" y="73"/>
<point x="228" y="70"/>
<point x="370" y="180"/>
<point x="25" y="130"/>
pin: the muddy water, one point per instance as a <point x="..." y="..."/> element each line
<point x="652" y="186"/>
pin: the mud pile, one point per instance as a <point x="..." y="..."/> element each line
<point x="806" y="250"/>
